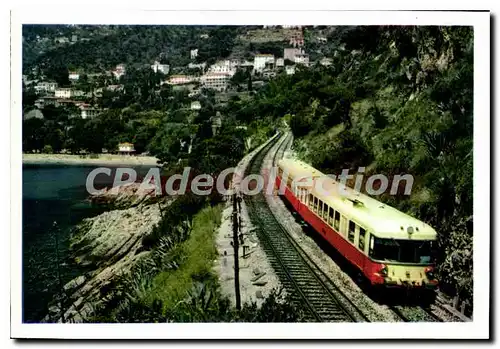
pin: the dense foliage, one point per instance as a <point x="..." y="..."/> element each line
<point x="395" y="100"/>
<point x="104" y="47"/>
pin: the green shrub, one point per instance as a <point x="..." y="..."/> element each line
<point x="47" y="149"/>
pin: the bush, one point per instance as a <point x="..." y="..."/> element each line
<point x="47" y="149"/>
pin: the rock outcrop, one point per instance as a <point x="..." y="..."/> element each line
<point x="124" y="196"/>
<point x="109" y="244"/>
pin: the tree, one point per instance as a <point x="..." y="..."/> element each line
<point x="33" y="134"/>
<point x="171" y="142"/>
<point x="249" y="79"/>
<point x="239" y="78"/>
<point x="29" y="98"/>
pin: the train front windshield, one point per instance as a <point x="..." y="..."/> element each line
<point x="404" y="251"/>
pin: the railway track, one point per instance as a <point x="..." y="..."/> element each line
<point x="309" y="287"/>
<point x="415" y="314"/>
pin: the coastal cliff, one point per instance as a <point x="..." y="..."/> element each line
<point x="108" y="246"/>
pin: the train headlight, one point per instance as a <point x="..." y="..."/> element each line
<point x="429" y="272"/>
<point x="384" y="271"/>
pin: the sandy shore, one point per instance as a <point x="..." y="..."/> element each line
<point x="101" y="159"/>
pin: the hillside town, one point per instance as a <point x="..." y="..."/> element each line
<point x="84" y="94"/>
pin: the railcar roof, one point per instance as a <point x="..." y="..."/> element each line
<point x="298" y="168"/>
<point x="384" y="220"/>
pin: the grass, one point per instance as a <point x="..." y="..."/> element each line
<point x="198" y="253"/>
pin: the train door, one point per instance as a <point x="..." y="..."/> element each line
<point x="301" y="198"/>
<point x="362" y="244"/>
<point x="357" y="258"/>
<point x="343" y="226"/>
<point x="295" y="192"/>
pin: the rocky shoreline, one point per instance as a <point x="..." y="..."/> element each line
<point x="109" y="244"/>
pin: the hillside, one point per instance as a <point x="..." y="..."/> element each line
<point x="396" y="100"/>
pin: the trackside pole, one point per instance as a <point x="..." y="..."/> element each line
<point x="236" y="247"/>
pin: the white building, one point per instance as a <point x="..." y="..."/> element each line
<point x="46" y="86"/>
<point x="226" y="66"/>
<point x="180" y="79"/>
<point x="126" y="148"/>
<point x="119" y="71"/>
<point x="200" y="66"/>
<point x="67" y="93"/>
<point x="163" y="68"/>
<point x="195" y="105"/>
<point x="63" y="93"/>
<point x="280" y="62"/>
<point x="86" y="111"/>
<point x="326" y="61"/>
<point x="269" y="74"/>
<point x="289" y="53"/>
<point x="290" y="69"/>
<point x="302" y="58"/>
<point x="194" y="53"/>
<point x="73" y="76"/>
<point x="216" y="81"/>
<point x="261" y="60"/>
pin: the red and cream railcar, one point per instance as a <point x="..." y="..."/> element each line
<point x="389" y="247"/>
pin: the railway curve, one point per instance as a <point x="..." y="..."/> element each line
<point x="300" y="276"/>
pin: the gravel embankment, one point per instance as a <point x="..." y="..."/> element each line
<point x="256" y="276"/>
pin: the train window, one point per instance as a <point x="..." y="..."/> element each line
<point x="352" y="231"/>
<point x="325" y="212"/>
<point x="320" y="207"/>
<point x="406" y="251"/>
<point x="336" y="222"/>
<point x="361" y="244"/>
<point x="315" y="208"/>
<point x="311" y="201"/>
<point x="330" y="216"/>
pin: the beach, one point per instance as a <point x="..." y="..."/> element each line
<point x="100" y="159"/>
